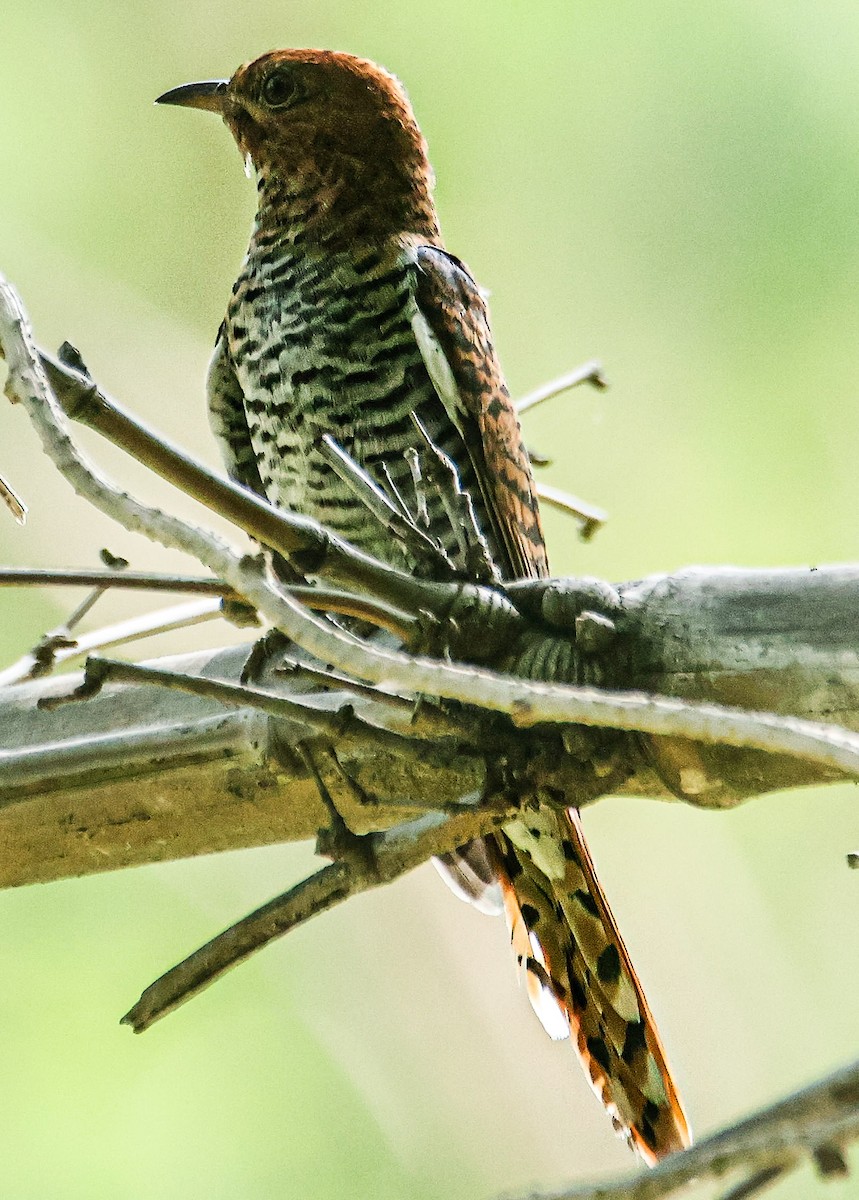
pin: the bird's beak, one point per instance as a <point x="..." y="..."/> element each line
<point x="210" y="94"/>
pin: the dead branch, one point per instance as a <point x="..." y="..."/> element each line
<point x="528" y="703"/>
<point x="816" y="1124"/>
<point x="369" y="862"/>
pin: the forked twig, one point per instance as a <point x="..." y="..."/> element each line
<point x="58" y="647"/>
<point x="344" y="724"/>
<point x="589" y="372"/>
<point x="425" y="720"/>
<point x="381" y="507"/>
<point x="392" y="854"/>
<point x="35" y="664"/>
<point x="590" y="518"/>
<point x="438" y="471"/>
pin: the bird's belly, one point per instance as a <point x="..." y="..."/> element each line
<point x="301" y="383"/>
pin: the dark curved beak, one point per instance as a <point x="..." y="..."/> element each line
<point x="210" y="95"/>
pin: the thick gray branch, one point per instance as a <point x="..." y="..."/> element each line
<point x="782" y="641"/>
<point x="139" y="774"/>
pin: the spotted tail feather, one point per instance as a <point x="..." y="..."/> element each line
<point x="580" y="979"/>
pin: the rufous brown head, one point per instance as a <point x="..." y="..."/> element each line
<point x="324" y="120"/>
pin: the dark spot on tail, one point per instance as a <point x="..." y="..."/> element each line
<point x="648" y="1132"/>
<point x="599" y="1052"/>
<point x="588" y="903"/>
<point x="634" y="1041"/>
<point x="512" y="865"/>
<point x="530" y="914"/>
<point x="608" y="965"/>
<point x="578" y="995"/>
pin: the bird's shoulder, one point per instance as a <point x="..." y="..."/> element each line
<point x="452" y="328"/>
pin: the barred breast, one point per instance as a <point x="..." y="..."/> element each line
<point x="322" y="342"/>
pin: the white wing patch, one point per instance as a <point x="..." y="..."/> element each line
<point x="549" y="1012"/>
<point x="438" y="368"/>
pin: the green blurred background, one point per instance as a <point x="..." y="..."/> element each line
<point x="670" y="187"/>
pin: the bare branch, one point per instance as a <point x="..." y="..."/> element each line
<point x="221" y="775"/>
<point x="777" y="1139"/>
<point x="589" y="372"/>
<point x="589" y="517"/>
<point x="526" y="702"/>
<point x="165" y="620"/>
<point x="386" y="857"/>
<point x="147" y="581"/>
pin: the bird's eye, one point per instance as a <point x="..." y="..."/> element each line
<point x="278" y="89"/>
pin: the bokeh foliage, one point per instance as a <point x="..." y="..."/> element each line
<point x="671" y="187"/>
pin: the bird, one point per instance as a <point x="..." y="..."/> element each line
<point x="351" y="319"/>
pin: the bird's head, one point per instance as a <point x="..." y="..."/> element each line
<point x="326" y="122"/>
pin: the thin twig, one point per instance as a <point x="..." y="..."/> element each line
<point x="425" y="720"/>
<point x="58" y="643"/>
<point x="129" y="580"/>
<point x="589" y="517"/>
<point x="348" y="604"/>
<point x="393" y="854"/>
<point x="34" y="664"/>
<point x="13" y="501"/>
<point x="395" y="493"/>
<point x="589" y="372"/>
<point x="188" y="978"/>
<point x="57" y="647"/>
<point x="781" y="1137"/>
<point x="343" y="725"/>
<point x="380" y="506"/>
<point x="414" y="463"/>
<point x="755" y="1184"/>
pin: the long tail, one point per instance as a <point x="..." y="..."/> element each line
<point x="580" y="979"/>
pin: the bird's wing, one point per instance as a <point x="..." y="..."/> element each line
<point x="229" y="420"/>
<point x="580" y="978"/>
<point x="451" y="325"/>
